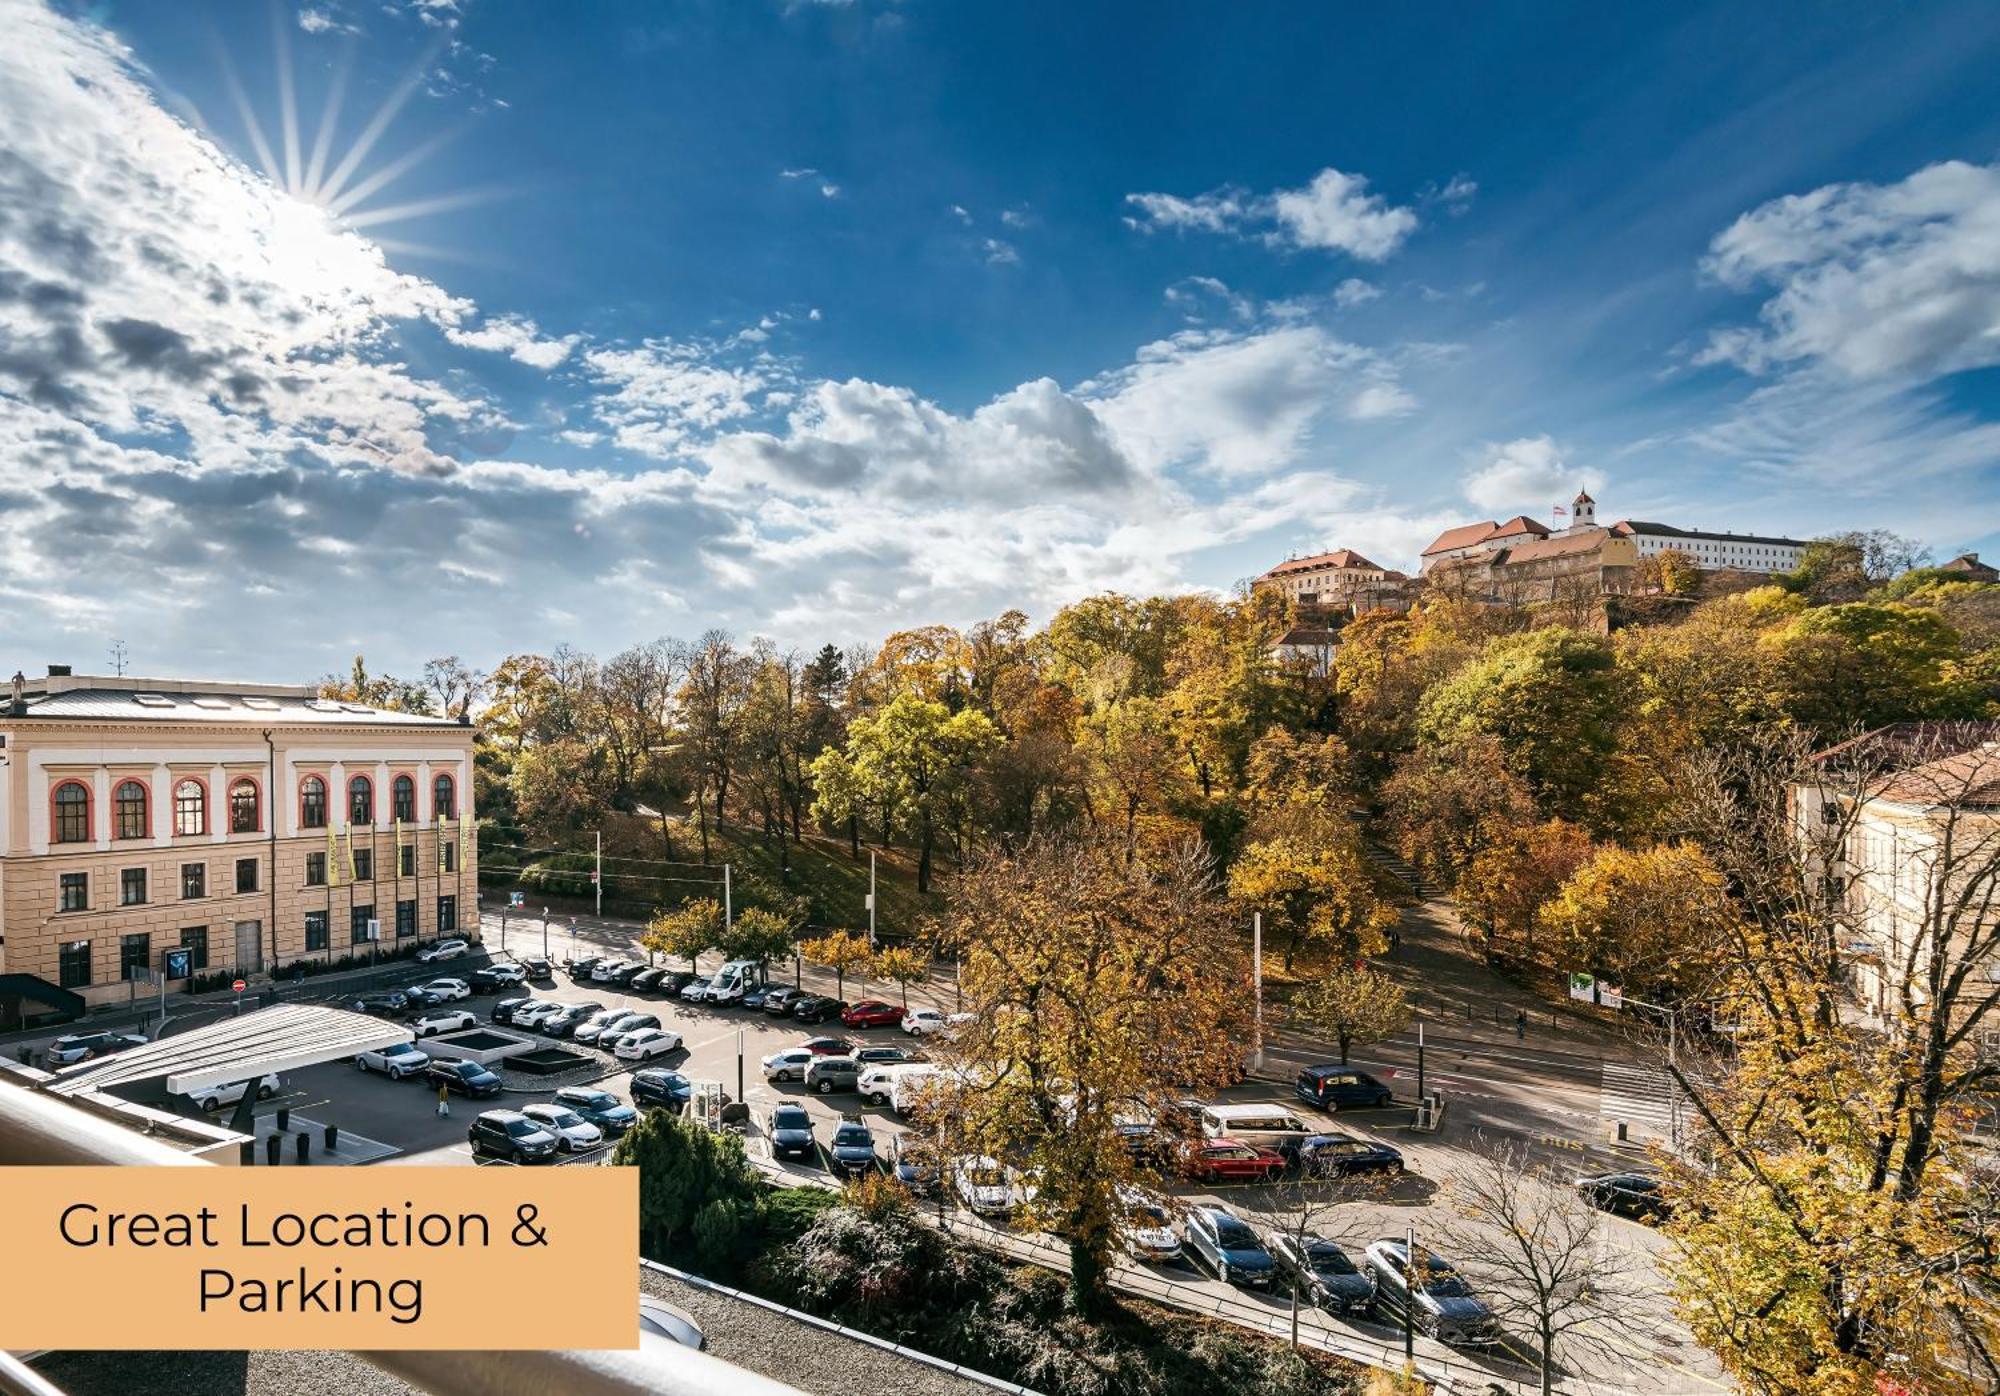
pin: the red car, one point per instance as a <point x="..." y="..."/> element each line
<point x="828" y="1046"/>
<point x="872" y="1013"/>
<point x="1231" y="1160"/>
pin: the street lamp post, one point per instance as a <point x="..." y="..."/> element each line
<point x="871" y="899"/>
<point x="1257" y="991"/>
<point x="1409" y="1294"/>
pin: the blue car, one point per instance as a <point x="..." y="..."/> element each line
<point x="1340" y="1087"/>
<point x="1225" y="1244"/>
<point x="666" y="1089"/>
<point x="601" y="1108"/>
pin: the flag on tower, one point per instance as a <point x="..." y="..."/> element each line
<point x="1561" y="510"/>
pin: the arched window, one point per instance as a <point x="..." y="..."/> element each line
<point x="72" y="813"/>
<point x="312" y="803"/>
<point x="361" y="801"/>
<point x="444" y="798"/>
<point x="128" y="806"/>
<point x="403" y="799"/>
<point x="190" y="807"/>
<point x="243" y="810"/>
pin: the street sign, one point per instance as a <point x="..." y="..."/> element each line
<point x="517" y="900"/>
<point x="239" y="986"/>
<point x="177" y="964"/>
<point x="1580" y="986"/>
<point x="374" y="928"/>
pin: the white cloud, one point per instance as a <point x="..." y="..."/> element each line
<point x="958" y="211"/>
<point x="517" y="337"/>
<point x="1333" y="213"/>
<point x="1197" y="296"/>
<point x="322" y="21"/>
<point x="665" y="394"/>
<point x="1527" y="475"/>
<point x="1871" y="280"/>
<point x="1001" y="253"/>
<point x="1354" y="291"/>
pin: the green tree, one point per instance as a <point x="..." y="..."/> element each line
<point x="1133" y="764"/>
<point x="1352" y="1004"/>
<point x="688" y="929"/>
<point x="759" y="934"/>
<point x="699" y="1196"/>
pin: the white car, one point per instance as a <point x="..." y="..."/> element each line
<point x="990" y="1187"/>
<point x="922" y="1022"/>
<point x="446" y="989"/>
<point x="215" y="1097"/>
<point x="695" y="991"/>
<point x="449" y="1020"/>
<point x="571" y="1130"/>
<point x="506" y="974"/>
<point x="450" y="949"/>
<point x="648" y="1043"/>
<point x="605" y="970"/>
<point x="535" y="1014"/>
<point x="1147" y="1227"/>
<point x="393" y="1062"/>
<point x="788" y="1065"/>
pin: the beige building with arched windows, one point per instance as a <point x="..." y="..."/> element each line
<point x="252" y="825"/>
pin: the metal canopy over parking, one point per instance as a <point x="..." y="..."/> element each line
<point x="270" y="1040"/>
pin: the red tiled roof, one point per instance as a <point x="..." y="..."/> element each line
<point x="1587" y="540"/>
<point x="1340" y="557"/>
<point x="1464" y="536"/>
<point x="1967" y="778"/>
<point x="1520" y="523"/>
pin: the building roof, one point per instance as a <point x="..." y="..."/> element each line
<point x="88" y="698"/>
<point x="1583" y="497"/>
<point x="1518" y="525"/>
<point x="1320" y="562"/>
<point x="242" y="1048"/>
<point x="1970" y="563"/>
<point x="1584" y="540"/>
<point x="1966" y="778"/>
<point x="1464" y="536"/>
<point x="1905" y="744"/>
<point x="1309" y="636"/>
<point x="1633" y="527"/>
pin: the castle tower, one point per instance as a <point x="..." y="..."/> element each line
<point x="1582" y="512"/>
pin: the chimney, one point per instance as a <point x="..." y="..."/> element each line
<point x="59" y="671"/>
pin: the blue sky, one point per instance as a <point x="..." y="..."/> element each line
<point x="597" y="322"/>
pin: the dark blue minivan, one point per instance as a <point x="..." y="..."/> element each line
<point x="1340" y="1087"/>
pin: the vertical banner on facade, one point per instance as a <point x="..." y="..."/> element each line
<point x="350" y="852"/>
<point x="399" y="847"/>
<point x="332" y="854"/>
<point x="441" y="825"/>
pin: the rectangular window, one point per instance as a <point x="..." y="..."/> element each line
<point x="246" y="874"/>
<point x="364" y="865"/>
<point x="406" y="919"/>
<point x="195" y="938"/>
<point x="407" y="860"/>
<point x="451" y="857"/>
<point x="316" y="930"/>
<point x="135" y="952"/>
<point x="447" y="915"/>
<point x="75" y="889"/>
<point x="357" y="924"/>
<point x="73" y="968"/>
<point x="132" y="887"/>
<point x="194" y="880"/>
<point x="315" y="870"/>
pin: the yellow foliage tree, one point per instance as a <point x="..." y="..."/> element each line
<point x="1316" y="885"/>
<point x="903" y="966"/>
<point x="843" y="952"/>
<point x="1652" y="916"/>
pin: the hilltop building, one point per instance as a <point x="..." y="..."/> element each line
<point x="1340" y="581"/>
<point x="249" y="825"/>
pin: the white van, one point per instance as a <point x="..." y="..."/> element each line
<point x="735" y="979"/>
<point x="878" y="1082"/>
<point x="1267" y="1126"/>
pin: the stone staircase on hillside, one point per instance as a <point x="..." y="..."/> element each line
<point x="1404" y="870"/>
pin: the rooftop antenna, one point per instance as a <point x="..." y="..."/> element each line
<point x="118" y="655"/>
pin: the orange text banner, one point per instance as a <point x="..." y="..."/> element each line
<point x="361" y="1258"/>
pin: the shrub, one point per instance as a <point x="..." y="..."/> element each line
<point x="699" y="1197"/>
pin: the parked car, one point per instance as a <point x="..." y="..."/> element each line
<point x="922" y="1022"/>
<point x="885" y="1054"/>
<point x="877" y="1082"/>
<point x="646" y="981"/>
<point x="914" y="1160"/>
<point x="852" y="1150"/>
<point x="623" y="1028"/>
<point x="503" y="1010"/>
<point x="591" y="1028"/>
<point x="647" y="1043"/>
<point x="1342" y="1155"/>
<point x="443" y="1020"/>
<point x="511" y="1135"/>
<point x="578" y="967"/>
<point x="788" y="1065"/>
<point x="694" y="991"/>
<point x="75" y="1047"/>
<point x="388" y="1004"/>
<point x="1224" y="1243"/>
<point x="790" y="1130"/>
<point x="778" y="1001"/>
<point x="494" y="978"/>
<point x="1441" y="1304"/>
<point x="1147" y="1227"/>
<point x="467" y="1078"/>
<point x="1230" y="1160"/>
<point x="871" y="1013"/>
<point x="1632" y="1195"/>
<point x="1274" y="1127"/>
<point x="829" y="1074"/>
<point x="753" y="998"/>
<point x="828" y="1046"/>
<point x="815" y="1008"/>
<point x="1321" y="1274"/>
<point x="571" y="1130"/>
<point x="537" y="966"/>
<point x="601" y="1108"/>
<point x="990" y="1187"/>
<point x="1339" y="1088"/>
<point x="396" y="1062"/>
<point x="672" y="981"/>
<point x="667" y="1090"/>
<point x="615" y="972"/>
<point x="564" y="1024"/>
<point x="215" y="1097"/>
<point x="437" y="991"/>
<point x="450" y="948"/>
<point x="533" y="1015"/>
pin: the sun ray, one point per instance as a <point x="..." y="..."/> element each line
<point x="417" y="208"/>
<point x="372" y="132"/>
<point x="251" y="126"/>
<point x="288" y="104"/>
<point x="329" y="121"/>
<point x="389" y="172"/>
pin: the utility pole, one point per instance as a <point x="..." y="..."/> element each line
<point x="1420" y="1060"/>
<point x="545" y="930"/>
<point x="1409" y="1294"/>
<point x="739" y="1064"/>
<point x="1257" y="990"/>
<point x="597" y="878"/>
<point x="871" y="899"/>
<point x="728" y="912"/>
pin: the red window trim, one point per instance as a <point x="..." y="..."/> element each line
<point x="89" y="814"/>
<point x="207" y="806"/>
<point x="145" y="806"/>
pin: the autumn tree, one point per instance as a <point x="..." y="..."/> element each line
<point x="709" y="711"/>
<point x="454" y="685"/>
<point x="1098" y="989"/>
<point x="1445" y="803"/>
<point x="1651" y="916"/>
<point x="1134" y="768"/>
<point x="759" y="933"/>
<point x="1314" y="881"/>
<point x="1351" y="1004"/>
<point x="902" y="965"/>
<point x="843" y="952"/>
<point x="687" y="929"/>
<point x="1513" y="877"/>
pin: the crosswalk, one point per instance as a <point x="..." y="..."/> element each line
<point x="1641" y="1096"/>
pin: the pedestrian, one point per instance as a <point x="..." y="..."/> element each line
<point x="1521" y="1023"/>
<point x="444" y="1102"/>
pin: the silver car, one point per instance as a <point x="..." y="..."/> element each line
<point x="571" y="1130"/>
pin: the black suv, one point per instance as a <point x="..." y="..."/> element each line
<point x="813" y="1008"/>
<point x="580" y="969"/>
<point x="1340" y="1087"/>
<point x="382" y="1005"/>
<point x="467" y="1078"/>
<point x="505" y="1009"/>
<point x="852" y="1152"/>
<point x="664" y="1090"/>
<point x="537" y="966"/>
<point x="1443" y="1306"/>
<point x="510" y="1135"/>
<point x="646" y="981"/>
<point x="1633" y="1195"/>
<point x="1321" y="1274"/>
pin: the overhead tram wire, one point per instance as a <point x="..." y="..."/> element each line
<point x="609" y="858"/>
